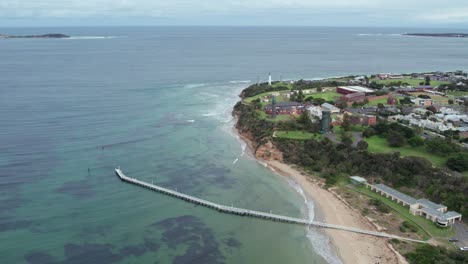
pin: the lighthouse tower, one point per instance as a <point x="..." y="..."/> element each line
<point x="269" y="78"/>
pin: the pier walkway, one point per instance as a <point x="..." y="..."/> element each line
<point x="251" y="213"/>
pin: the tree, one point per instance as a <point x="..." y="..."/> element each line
<point x="256" y="103"/>
<point x="366" y="101"/>
<point x="346" y="125"/>
<point x="304" y="119"/>
<point x="319" y="101"/>
<point x="406" y="100"/>
<point x="380" y="106"/>
<point x="458" y="162"/>
<point x="300" y="96"/>
<point x="432" y="109"/>
<point x="424" y="96"/>
<point x="355" y="105"/>
<point x="450" y="101"/>
<point x="368" y="132"/>
<point x="416" y="141"/>
<point x="346" y="140"/>
<point x="395" y="139"/>
<point x="343" y="105"/>
<point x="362" y="145"/>
<point x="309" y="99"/>
<point x="427" y="80"/>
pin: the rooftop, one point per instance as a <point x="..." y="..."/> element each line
<point x="430" y="204"/>
<point x="353" y="95"/>
<point x="357" y="89"/>
<point x="401" y="196"/>
<point x="358" y="179"/>
<point x="329" y="106"/>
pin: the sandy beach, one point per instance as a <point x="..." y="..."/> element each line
<point x="351" y="248"/>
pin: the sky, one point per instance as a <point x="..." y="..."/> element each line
<point x="384" y="13"/>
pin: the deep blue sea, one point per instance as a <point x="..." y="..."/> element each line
<point x="157" y="101"/>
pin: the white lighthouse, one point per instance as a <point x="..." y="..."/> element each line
<point x="269" y="78"/>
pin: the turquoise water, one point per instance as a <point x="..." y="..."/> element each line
<point x="157" y="102"/>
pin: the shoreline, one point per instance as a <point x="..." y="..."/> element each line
<point x="349" y="247"/>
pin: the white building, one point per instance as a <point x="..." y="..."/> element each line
<point x="329" y="107"/>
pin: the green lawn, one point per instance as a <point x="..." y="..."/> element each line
<point x="428" y="227"/>
<point x="379" y="101"/>
<point x="458" y="93"/>
<point x="287" y="84"/>
<point x="380" y="145"/>
<point x="265" y="116"/>
<point x="297" y="135"/>
<point x="328" y="96"/>
<point x="262" y="95"/>
<point x="409" y="80"/>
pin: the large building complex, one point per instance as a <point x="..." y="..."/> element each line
<point x="353" y="89"/>
<point x="437" y="213"/>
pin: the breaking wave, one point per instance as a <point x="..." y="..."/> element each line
<point x="93" y="37"/>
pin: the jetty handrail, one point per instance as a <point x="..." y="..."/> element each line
<point x="253" y="213"/>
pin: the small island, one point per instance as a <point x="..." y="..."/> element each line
<point x="35" y="36"/>
<point x="438" y="35"/>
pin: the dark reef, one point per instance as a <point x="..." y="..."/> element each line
<point x="37" y="36"/>
<point x="440" y="35"/>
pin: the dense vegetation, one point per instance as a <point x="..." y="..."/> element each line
<point x="427" y="254"/>
<point x="398" y="135"/>
<point x="334" y="161"/>
<point x="304" y="85"/>
<point x="261" y="88"/>
<point x="337" y="161"/>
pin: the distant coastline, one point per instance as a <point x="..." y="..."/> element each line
<point x="438" y="35"/>
<point x="35" y="36"/>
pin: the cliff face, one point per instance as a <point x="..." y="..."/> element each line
<point x="256" y="132"/>
<point x="269" y="152"/>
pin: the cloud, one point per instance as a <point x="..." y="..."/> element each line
<point x="361" y="12"/>
<point x="446" y="16"/>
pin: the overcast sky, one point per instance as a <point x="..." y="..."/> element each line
<point x="407" y="13"/>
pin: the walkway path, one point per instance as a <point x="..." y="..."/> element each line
<point x="251" y="213"/>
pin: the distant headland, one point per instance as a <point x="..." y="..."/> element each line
<point x="36" y="36"/>
<point x="440" y="35"/>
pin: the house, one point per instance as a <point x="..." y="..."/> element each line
<point x="437" y="213"/>
<point x="369" y="120"/>
<point x="285" y="108"/>
<point x="329" y="107"/>
<point x="315" y="112"/>
<point x="422" y="102"/>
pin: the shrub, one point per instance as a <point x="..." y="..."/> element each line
<point x="383" y="208"/>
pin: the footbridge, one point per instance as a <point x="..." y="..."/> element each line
<point x="254" y="214"/>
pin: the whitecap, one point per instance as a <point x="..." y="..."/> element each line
<point x="234" y="82"/>
<point x="191" y="121"/>
<point x="194" y="85"/>
<point x="92" y="37"/>
<point x="235" y="161"/>
<point x="210" y="114"/>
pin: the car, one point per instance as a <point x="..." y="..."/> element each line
<point x="453" y="240"/>
<point x="464" y="248"/>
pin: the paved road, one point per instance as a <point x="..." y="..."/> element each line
<point x="357" y="136"/>
<point x="461" y="234"/>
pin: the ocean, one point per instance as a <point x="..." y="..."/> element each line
<point x="157" y="102"/>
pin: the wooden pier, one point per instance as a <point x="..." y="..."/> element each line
<point x="251" y="213"/>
